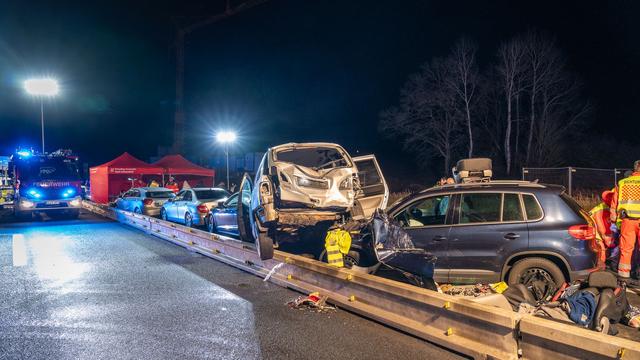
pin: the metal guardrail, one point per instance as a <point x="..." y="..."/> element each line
<point x="477" y="330"/>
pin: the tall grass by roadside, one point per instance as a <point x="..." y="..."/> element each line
<point x="395" y="196"/>
<point x="587" y="200"/>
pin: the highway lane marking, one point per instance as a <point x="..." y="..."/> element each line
<point x="19" y="252"/>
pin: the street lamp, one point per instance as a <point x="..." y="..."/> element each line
<point x="41" y="88"/>
<point x="226" y="138"/>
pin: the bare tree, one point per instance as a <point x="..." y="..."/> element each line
<point x="427" y="118"/>
<point x="464" y="80"/>
<point x="542" y="62"/>
<point x="562" y="112"/>
<point x="510" y="70"/>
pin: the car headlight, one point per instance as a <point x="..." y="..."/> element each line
<point x="346" y="184"/>
<point x="316" y="184"/>
<point x="75" y="202"/>
<point x="26" y="204"/>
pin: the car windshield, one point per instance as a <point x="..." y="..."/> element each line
<point x="48" y="169"/>
<point x="160" y="194"/>
<point x="315" y="157"/>
<point x="211" y="194"/>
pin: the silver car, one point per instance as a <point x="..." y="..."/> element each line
<point x="191" y="206"/>
<point x="144" y="200"/>
<point x="302" y="185"/>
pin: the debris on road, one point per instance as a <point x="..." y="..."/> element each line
<point x="272" y="271"/>
<point x="313" y="301"/>
<point x="632" y="317"/>
<point x="475" y="290"/>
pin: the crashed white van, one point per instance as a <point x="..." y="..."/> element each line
<point x="299" y="185"/>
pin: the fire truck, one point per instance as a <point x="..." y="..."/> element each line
<point x="46" y="183"/>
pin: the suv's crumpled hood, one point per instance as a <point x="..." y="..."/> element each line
<point x="332" y="197"/>
<point x="394" y="247"/>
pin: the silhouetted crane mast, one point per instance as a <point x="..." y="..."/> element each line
<point x="181" y="32"/>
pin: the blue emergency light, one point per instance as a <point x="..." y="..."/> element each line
<point x="35" y="193"/>
<point x="68" y="192"/>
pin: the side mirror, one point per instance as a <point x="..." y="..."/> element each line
<point x="170" y="200"/>
<point x="221" y="203"/>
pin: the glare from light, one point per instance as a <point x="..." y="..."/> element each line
<point x="27" y="204"/>
<point x="42" y="87"/>
<point x="69" y="192"/>
<point x="225" y="137"/>
<point x="75" y="202"/>
<point x="24" y="153"/>
<point x="35" y="193"/>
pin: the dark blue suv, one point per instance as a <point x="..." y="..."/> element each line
<point x="516" y="231"/>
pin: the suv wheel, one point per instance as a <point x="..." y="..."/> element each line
<point x="542" y="275"/>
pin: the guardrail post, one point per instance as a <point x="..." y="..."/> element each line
<point x="570" y="169"/>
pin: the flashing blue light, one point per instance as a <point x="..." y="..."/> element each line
<point x="24" y="153"/>
<point x="69" y="192"/>
<point x="34" y="193"/>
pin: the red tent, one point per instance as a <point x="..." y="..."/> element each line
<point x="110" y="179"/>
<point x="182" y="169"/>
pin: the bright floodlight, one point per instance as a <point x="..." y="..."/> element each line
<point x="41" y="87"/>
<point x="226" y="137"/>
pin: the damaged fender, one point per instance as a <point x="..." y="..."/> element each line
<point x="394" y="247"/>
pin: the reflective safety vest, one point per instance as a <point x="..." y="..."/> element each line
<point x="629" y="197"/>
<point x="337" y="243"/>
<point x="601" y="217"/>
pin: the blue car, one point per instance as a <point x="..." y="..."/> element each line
<point x="513" y="231"/>
<point x="223" y="219"/>
<point x="191" y="206"/>
<point x="144" y="200"/>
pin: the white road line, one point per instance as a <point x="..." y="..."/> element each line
<point x="19" y="250"/>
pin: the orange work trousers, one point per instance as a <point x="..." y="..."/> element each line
<point x="628" y="237"/>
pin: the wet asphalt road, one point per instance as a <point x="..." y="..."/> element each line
<point x="92" y="288"/>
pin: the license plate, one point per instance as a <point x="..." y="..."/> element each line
<point x="52" y="202"/>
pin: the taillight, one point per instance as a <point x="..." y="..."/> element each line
<point x="202" y="209"/>
<point x="582" y="232"/>
<point x="147" y="201"/>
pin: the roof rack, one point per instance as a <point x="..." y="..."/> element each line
<point x="521" y="183"/>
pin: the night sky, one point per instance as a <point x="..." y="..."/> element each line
<point x="284" y="71"/>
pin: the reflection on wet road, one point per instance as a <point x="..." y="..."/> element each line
<point x="96" y="289"/>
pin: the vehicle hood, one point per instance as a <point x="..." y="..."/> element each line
<point x="329" y="197"/>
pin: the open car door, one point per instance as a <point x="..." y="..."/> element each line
<point x="244" y="209"/>
<point x="247" y="222"/>
<point x="374" y="192"/>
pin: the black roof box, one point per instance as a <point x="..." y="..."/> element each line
<point x="473" y="170"/>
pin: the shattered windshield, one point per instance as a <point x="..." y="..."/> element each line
<point x="315" y="158"/>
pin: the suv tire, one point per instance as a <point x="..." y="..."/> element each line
<point x="264" y="245"/>
<point x="525" y="270"/>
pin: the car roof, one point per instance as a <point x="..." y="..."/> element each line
<point x="497" y="185"/>
<point x="206" y="188"/>
<point x="153" y="188"/>
<point x="310" y="144"/>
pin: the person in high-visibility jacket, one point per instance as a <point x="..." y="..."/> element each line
<point x="626" y="202"/>
<point x="601" y="215"/>
<point x="172" y="185"/>
<point x="337" y="244"/>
